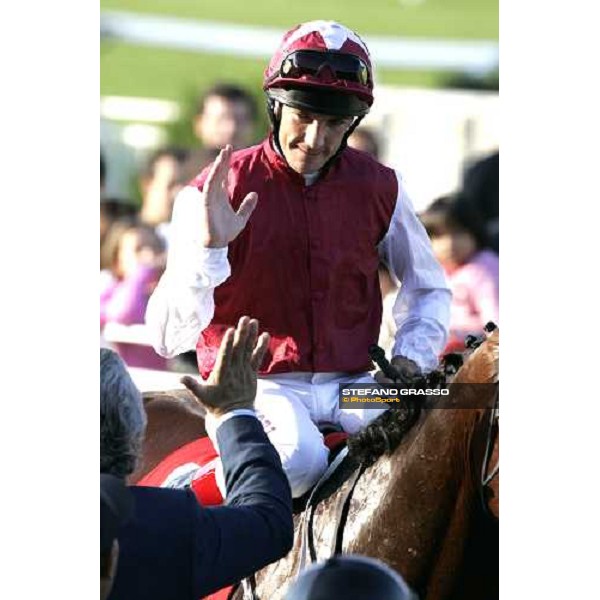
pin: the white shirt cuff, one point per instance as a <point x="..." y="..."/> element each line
<point x="214" y="266"/>
<point x="421" y="350"/>
<point x="213" y="423"/>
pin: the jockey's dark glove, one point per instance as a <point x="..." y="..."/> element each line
<point x="408" y="370"/>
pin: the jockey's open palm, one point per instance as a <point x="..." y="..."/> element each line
<point x="221" y="223"/>
<point x="232" y="383"/>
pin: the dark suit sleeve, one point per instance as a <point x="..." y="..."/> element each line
<point x="255" y="528"/>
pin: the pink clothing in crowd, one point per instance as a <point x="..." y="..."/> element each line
<point x="475" y="297"/>
<point x="124" y="301"/>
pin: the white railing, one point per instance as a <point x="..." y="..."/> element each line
<point x="114" y="333"/>
<point x="146" y="380"/>
<point x="260" y="42"/>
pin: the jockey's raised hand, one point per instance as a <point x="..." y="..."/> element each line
<point x="221" y="223"/>
<point x="232" y="382"/>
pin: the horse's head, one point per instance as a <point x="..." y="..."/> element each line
<point x="483" y="365"/>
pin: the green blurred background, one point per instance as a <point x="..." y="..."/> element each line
<point x="129" y="70"/>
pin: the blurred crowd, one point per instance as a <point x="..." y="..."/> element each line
<point x="134" y="237"/>
<point x="164" y="541"/>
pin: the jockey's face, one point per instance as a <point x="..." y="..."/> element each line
<point x="308" y="140"/>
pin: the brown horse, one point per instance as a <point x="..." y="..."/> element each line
<point x="175" y="418"/>
<point x="419" y="508"/>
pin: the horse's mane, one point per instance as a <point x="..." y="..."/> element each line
<point x="384" y="434"/>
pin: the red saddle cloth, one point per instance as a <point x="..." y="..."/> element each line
<point x="201" y="452"/>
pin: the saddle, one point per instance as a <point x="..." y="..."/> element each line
<point x="193" y="465"/>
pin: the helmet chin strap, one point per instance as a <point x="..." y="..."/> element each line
<point x="275" y="122"/>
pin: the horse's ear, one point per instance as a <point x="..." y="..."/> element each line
<point x="494" y="337"/>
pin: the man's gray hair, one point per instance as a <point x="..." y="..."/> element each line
<point x="122" y="417"/>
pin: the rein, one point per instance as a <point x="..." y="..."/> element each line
<point x="306" y="530"/>
<point x="344" y="510"/>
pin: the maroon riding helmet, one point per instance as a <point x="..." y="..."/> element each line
<point x="321" y="67"/>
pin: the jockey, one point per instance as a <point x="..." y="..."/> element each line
<point x="351" y="577"/>
<point x="291" y="232"/>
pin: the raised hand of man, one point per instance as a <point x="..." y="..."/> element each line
<point x="232" y="383"/>
<point x="221" y="224"/>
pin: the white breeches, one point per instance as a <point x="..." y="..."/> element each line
<point x="289" y="406"/>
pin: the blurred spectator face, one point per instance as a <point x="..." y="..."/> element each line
<point x="111" y="211"/>
<point x="454" y="246"/>
<point x="105" y="222"/>
<point x="158" y="189"/>
<point x="166" y="170"/>
<point x="364" y="140"/>
<point x="455" y="229"/>
<point x="223" y="122"/>
<point x="138" y="246"/>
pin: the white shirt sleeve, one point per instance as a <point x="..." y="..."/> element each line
<point x="182" y="304"/>
<point x="422" y="308"/>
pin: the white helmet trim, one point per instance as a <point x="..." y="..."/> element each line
<point x="334" y="34"/>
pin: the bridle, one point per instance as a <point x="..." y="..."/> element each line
<point x="486" y="476"/>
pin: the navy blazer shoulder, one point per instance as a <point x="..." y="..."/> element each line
<point x="175" y="549"/>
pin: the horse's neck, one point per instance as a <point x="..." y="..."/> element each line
<point x="483" y="366"/>
<point x="433" y="483"/>
<point x="403" y="509"/>
<point x="412" y="509"/>
<point x="419" y="494"/>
